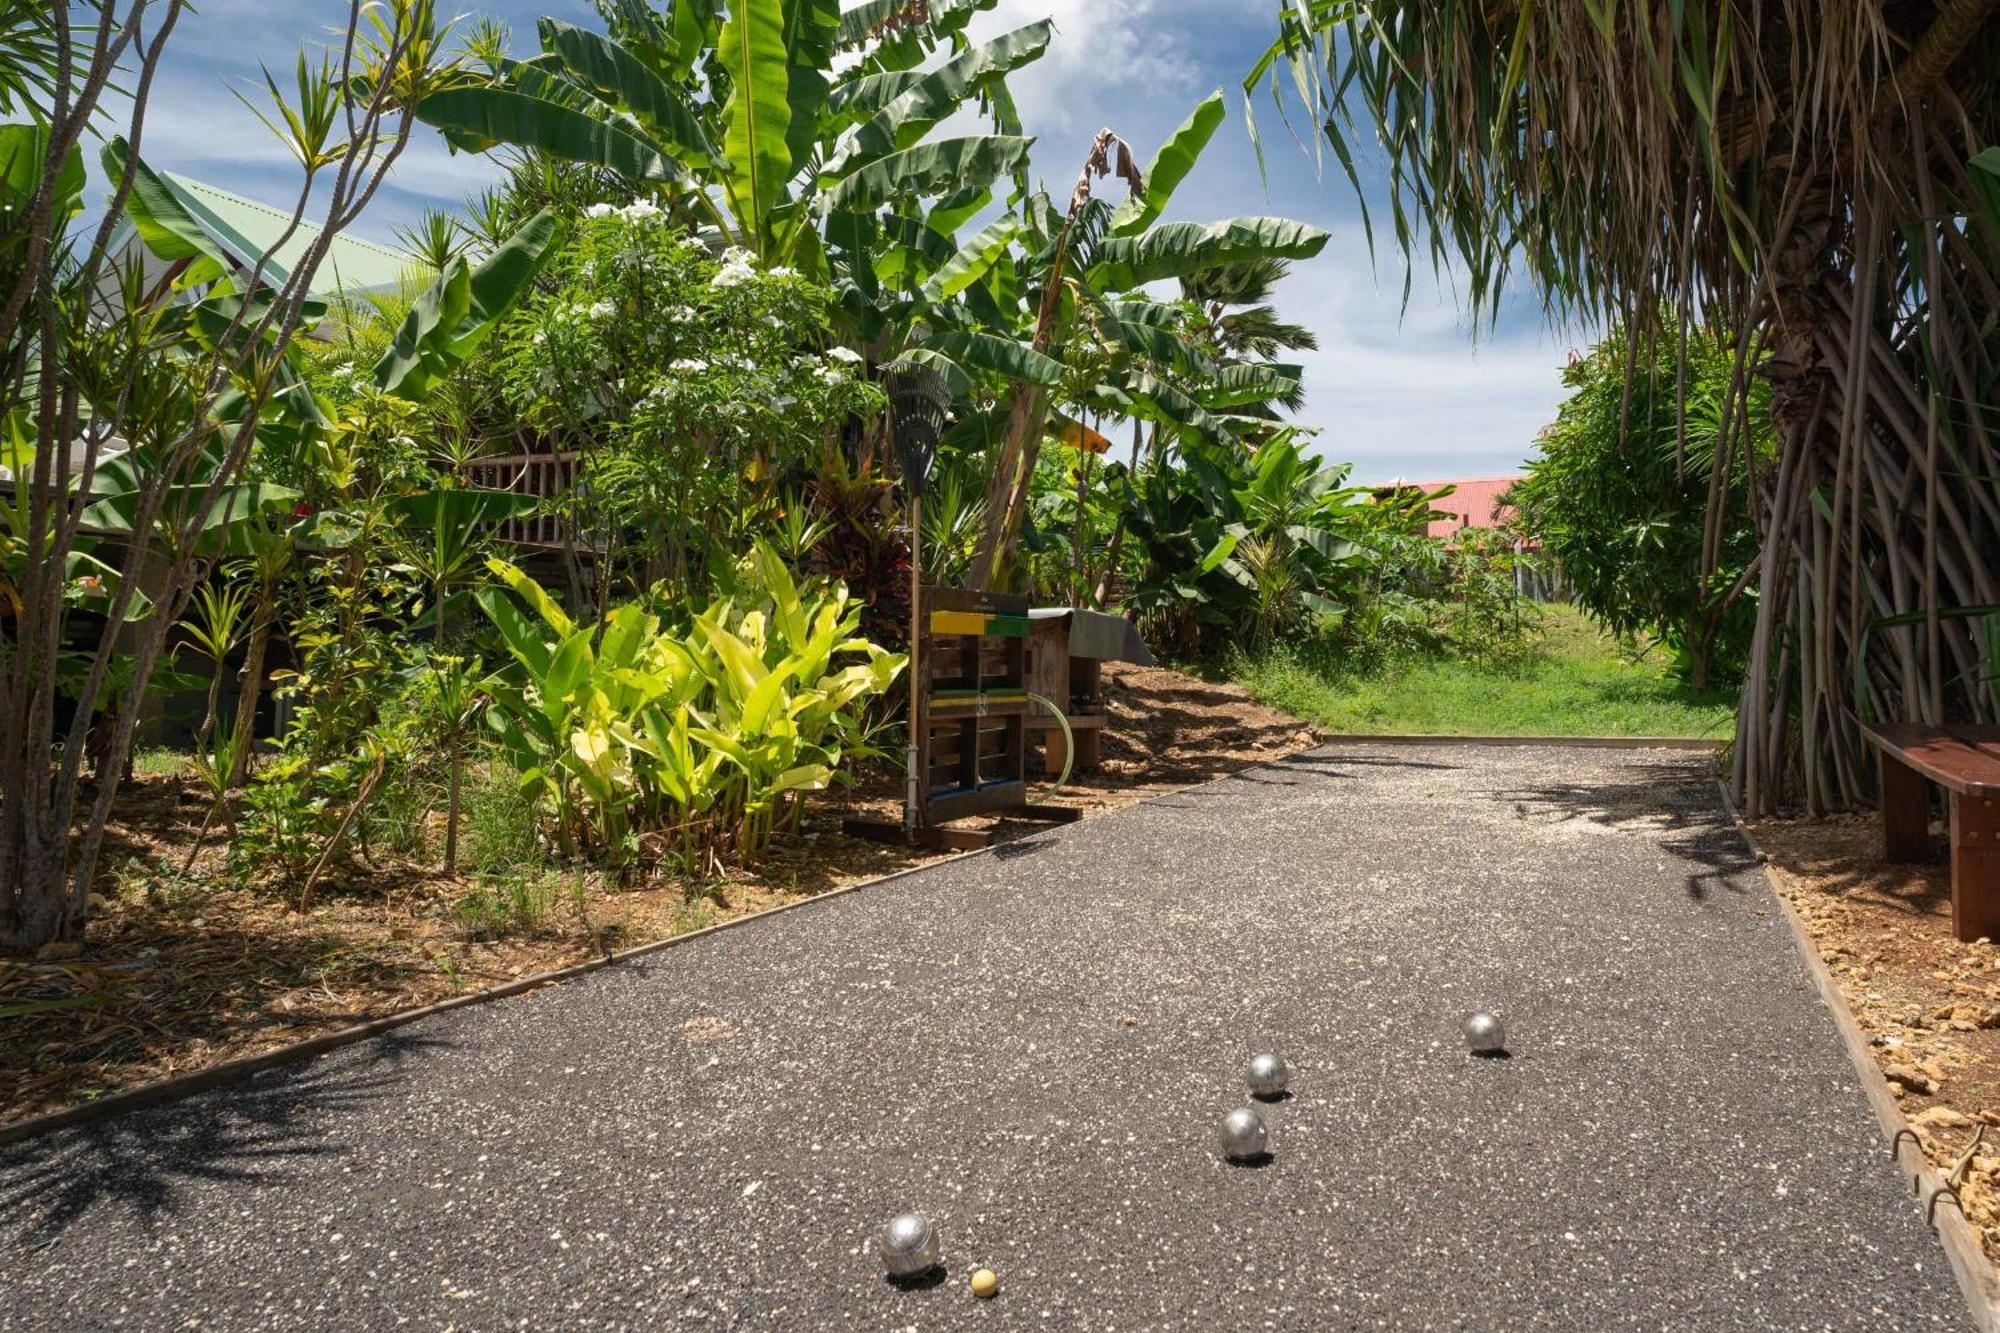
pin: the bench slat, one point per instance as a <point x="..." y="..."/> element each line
<point x="1962" y="759"/>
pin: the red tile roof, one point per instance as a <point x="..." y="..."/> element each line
<point x="1475" y="504"/>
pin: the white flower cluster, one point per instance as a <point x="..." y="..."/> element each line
<point x="639" y="210"/>
<point x="689" y="365"/>
<point x="736" y="268"/>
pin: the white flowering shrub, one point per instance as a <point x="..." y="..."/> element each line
<point x="696" y="387"/>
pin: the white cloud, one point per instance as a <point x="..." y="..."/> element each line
<point x="1104" y="54"/>
<point x="1412" y="394"/>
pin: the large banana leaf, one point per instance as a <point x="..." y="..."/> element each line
<point x="1159" y="346"/>
<point x="456" y="313"/>
<point x="954" y="375"/>
<point x="23" y="150"/>
<point x="1177" y="249"/>
<point x="1254" y="382"/>
<point x="235" y="505"/>
<point x="930" y="169"/>
<point x="759" y="113"/>
<point x="165" y="228"/>
<point x="1170" y="167"/>
<point x="1159" y="314"/>
<point x="1156" y="400"/>
<point x="503" y="115"/>
<point x="974" y="260"/>
<point x="627" y="81"/>
<point x="1005" y="356"/>
<point x="865" y="94"/>
<point x="941" y="17"/>
<point x="934" y="96"/>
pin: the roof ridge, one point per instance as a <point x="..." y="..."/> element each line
<point x="190" y="183"/>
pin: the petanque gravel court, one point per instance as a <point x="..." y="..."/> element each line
<point x="1036" y="1047"/>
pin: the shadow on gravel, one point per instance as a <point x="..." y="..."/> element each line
<point x="1295" y="770"/>
<point x="1675" y="803"/>
<point x="244" y="1133"/>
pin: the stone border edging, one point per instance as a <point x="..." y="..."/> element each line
<point x="1573" y="742"/>
<point x="1978" y="1280"/>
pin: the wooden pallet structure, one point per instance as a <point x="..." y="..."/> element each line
<point x="1067" y="649"/>
<point x="971" y="721"/>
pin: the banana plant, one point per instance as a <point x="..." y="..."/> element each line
<point x="763" y="121"/>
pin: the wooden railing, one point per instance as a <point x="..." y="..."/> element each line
<point x="543" y="476"/>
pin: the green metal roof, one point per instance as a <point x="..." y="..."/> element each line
<point x="246" y="229"/>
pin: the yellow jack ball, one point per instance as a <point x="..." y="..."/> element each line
<point x="985" y="1283"/>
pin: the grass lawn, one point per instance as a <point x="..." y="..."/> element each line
<point x="1573" y="681"/>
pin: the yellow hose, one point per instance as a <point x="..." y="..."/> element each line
<point x="1069" y="743"/>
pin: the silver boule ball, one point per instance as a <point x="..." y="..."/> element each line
<point x="1268" y="1075"/>
<point x="1244" y="1136"/>
<point x="1485" y="1034"/>
<point x="909" y="1245"/>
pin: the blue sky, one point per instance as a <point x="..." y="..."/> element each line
<point x="1399" y="393"/>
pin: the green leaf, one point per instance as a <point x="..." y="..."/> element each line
<point x="1157" y="400"/>
<point x="628" y="81"/>
<point x="23" y="151"/>
<point x="934" y="96"/>
<point x="164" y="226"/>
<point x="457" y="312"/>
<point x="1177" y="249"/>
<point x="1224" y="547"/>
<point x="758" y="114"/>
<point x="1251" y="382"/>
<point x="525" y="639"/>
<point x="954" y="374"/>
<point x="974" y="260"/>
<point x="503" y="115"/>
<point x="1170" y="167"/>
<point x="930" y="169"/>
<point x="1160" y="347"/>
<point x="942" y="18"/>
<point x="1005" y="356"/>
<point x="234" y="505"/>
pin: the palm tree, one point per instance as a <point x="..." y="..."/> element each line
<point x="1818" y="175"/>
<point x="1238" y="325"/>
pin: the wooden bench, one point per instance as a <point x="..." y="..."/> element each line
<point x="1965" y="761"/>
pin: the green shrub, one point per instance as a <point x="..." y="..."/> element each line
<point x="640" y="741"/>
<point x="1619" y="498"/>
<point x="517" y="904"/>
<point x="502" y="824"/>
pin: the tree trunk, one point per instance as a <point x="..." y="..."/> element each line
<point x="250" y="692"/>
<point x="1016" y="464"/>
<point x="451" y="813"/>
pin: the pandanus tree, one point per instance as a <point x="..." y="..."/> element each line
<point x="1819" y="178"/>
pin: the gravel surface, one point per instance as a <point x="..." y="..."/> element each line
<point x="1037" y="1047"/>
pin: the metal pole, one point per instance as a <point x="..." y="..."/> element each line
<point x="916" y="622"/>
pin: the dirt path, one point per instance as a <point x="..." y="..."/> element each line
<point x="1036" y="1047"/>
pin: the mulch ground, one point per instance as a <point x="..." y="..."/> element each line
<point x="178" y="973"/>
<point x="1929" y="1004"/>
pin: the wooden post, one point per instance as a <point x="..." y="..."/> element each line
<point x="1975" y="867"/>
<point x="1906" y="811"/>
